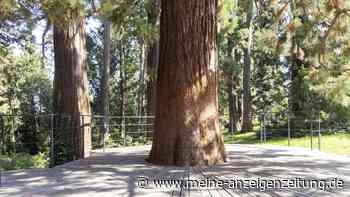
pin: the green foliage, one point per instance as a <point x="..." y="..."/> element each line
<point x="23" y="161"/>
<point x="6" y="6"/>
<point x="23" y="77"/>
<point x="64" y="12"/>
<point x="25" y="90"/>
<point x="227" y="16"/>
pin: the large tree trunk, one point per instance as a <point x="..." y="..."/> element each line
<point x="246" y="110"/>
<point x="71" y="87"/>
<point x="153" y="60"/>
<point x="187" y="128"/>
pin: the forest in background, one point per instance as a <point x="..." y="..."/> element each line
<point x="286" y="56"/>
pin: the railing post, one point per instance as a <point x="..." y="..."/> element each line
<point x="13" y="133"/>
<point x="105" y="130"/>
<point x="311" y="135"/>
<point x="3" y="137"/>
<point x="52" y="141"/>
<point x="123" y="131"/>
<point x="288" y="129"/>
<point x="319" y="132"/>
<point x="82" y="137"/>
<point x="0" y="177"/>
<point x="104" y="133"/>
<point x="261" y="129"/>
<point x="265" y="128"/>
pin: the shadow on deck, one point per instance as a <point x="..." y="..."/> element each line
<point x="117" y="171"/>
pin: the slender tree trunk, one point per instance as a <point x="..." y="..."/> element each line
<point x="105" y="80"/>
<point x="231" y="88"/>
<point x="12" y="133"/>
<point x="141" y="80"/>
<point x="231" y="99"/>
<point x="153" y="60"/>
<point x="71" y="91"/>
<point x="122" y="82"/>
<point x="296" y="92"/>
<point x="233" y="105"/>
<point x="187" y="128"/>
<point x="141" y="92"/>
<point x="122" y="88"/>
<point x="32" y="123"/>
<point x="246" y="110"/>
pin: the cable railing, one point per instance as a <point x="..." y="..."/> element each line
<point x="303" y="131"/>
<point x="64" y="137"/>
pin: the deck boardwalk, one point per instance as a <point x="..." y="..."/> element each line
<point x="116" y="172"/>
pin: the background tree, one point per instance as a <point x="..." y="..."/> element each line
<point x="71" y="92"/>
<point x="246" y="100"/>
<point x="105" y="79"/>
<point x="153" y="56"/>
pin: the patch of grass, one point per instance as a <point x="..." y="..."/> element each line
<point x="336" y="143"/>
<point x="241" y="138"/>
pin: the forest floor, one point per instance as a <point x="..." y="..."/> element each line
<point x="117" y="173"/>
<point x="336" y="143"/>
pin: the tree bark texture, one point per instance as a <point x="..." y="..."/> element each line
<point x="246" y="110"/>
<point x="187" y="128"/>
<point x="105" y="80"/>
<point x="233" y="105"/>
<point x="71" y="91"/>
<point x="232" y="88"/>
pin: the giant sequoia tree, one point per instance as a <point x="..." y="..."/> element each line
<point x="187" y="128"/>
<point x="70" y="82"/>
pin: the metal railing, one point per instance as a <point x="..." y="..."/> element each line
<point x="293" y="127"/>
<point x="56" y="135"/>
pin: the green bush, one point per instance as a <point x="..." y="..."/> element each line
<point x="23" y="161"/>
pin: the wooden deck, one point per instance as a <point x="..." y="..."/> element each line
<point x="116" y="173"/>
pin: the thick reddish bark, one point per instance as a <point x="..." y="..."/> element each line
<point x="187" y="123"/>
<point x="71" y="85"/>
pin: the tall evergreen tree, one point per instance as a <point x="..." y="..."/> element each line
<point x="246" y="101"/>
<point x="153" y="58"/>
<point x="71" y="91"/>
<point x="105" y="79"/>
<point x="187" y="130"/>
